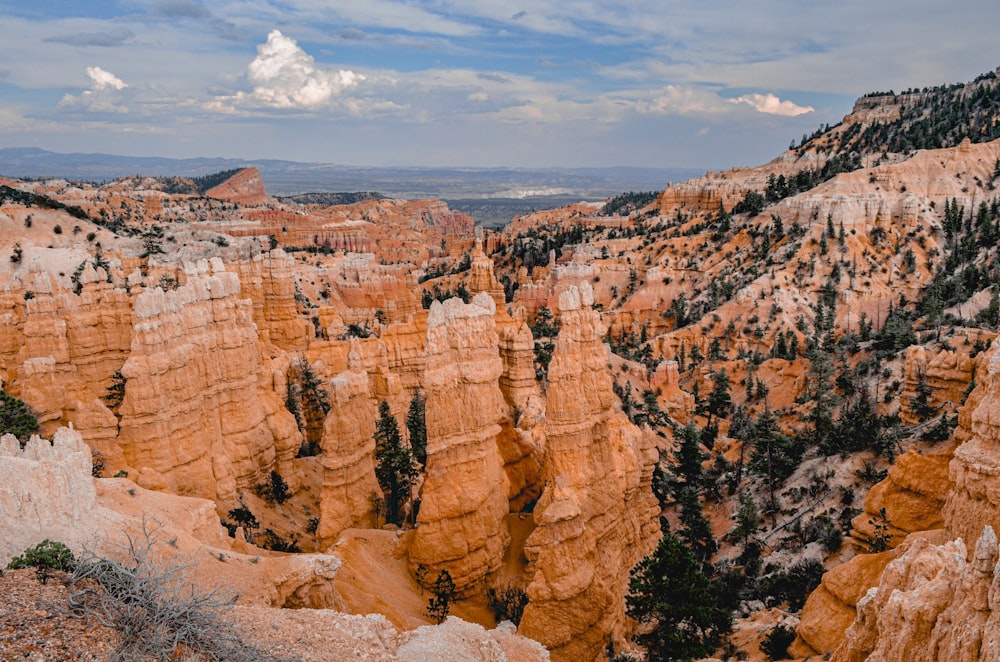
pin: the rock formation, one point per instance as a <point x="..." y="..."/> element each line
<point x="48" y="492"/>
<point x="930" y="604"/>
<point x="194" y="371"/>
<point x="245" y="188"/>
<point x="972" y="503"/>
<point x="460" y="522"/>
<point x="596" y="516"/>
<point x="348" y="453"/>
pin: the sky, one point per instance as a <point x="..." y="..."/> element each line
<point x="707" y="84"/>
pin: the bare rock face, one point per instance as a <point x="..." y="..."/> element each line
<point x="912" y="495"/>
<point x="60" y="349"/>
<point x="482" y="277"/>
<point x="268" y="280"/>
<point x="348" y="452"/>
<point x="460" y="522"/>
<point x="596" y="516"/>
<point x="523" y="440"/>
<point x="244" y="188"/>
<point x="930" y="604"/>
<point x="45" y="492"/>
<point x="974" y="502"/>
<point x="832" y="607"/>
<point x="456" y="639"/>
<point x="195" y="418"/>
<point x="947" y="374"/>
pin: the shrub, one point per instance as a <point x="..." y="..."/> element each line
<point x="776" y="642"/>
<point x="443" y="594"/>
<point x="45" y="557"/>
<point x="157" y="611"/>
<point x="97" y="464"/>
<point x="507" y="602"/>
<point x="16" y="418"/>
<point x="272" y="541"/>
<point x="793" y="585"/>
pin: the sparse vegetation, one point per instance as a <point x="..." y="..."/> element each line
<point x="150" y="599"/>
<point x="16" y="418"/>
<point x="395" y="467"/>
<point x="442" y="596"/>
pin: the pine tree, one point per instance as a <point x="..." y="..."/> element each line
<point x="747" y="520"/>
<point x="442" y="595"/>
<point x="416" y="425"/>
<point x="697" y="532"/>
<point x="669" y="590"/>
<point x="16" y="418"/>
<point x="688" y="470"/>
<point x="394" y="466"/>
<point x="921" y="402"/>
<point x="309" y="402"/>
<point x="719" y="400"/>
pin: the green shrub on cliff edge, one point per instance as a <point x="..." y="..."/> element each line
<point x="16" y="418"/>
<point x="45" y="557"/>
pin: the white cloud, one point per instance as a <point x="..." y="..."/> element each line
<point x="677" y="100"/>
<point x="102" y="97"/>
<point x="285" y="76"/>
<point x="102" y="80"/>
<point x="772" y="105"/>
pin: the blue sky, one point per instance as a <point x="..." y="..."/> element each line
<point x="708" y="84"/>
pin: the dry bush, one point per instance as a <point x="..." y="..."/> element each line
<point x="149" y="598"/>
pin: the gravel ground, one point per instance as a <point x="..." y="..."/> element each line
<point x="36" y="624"/>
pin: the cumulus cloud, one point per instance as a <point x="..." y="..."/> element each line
<point x="103" y="80"/>
<point x="285" y="76"/>
<point x="677" y="100"/>
<point x="772" y="105"/>
<point x="104" y="94"/>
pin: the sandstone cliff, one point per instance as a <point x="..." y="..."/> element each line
<point x="930" y="604"/>
<point x="464" y="496"/>
<point x="596" y="516"/>
<point x="195" y="371"/>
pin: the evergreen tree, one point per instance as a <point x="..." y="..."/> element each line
<point x="697" y="532"/>
<point x="669" y="590"/>
<point x="824" y="399"/>
<point x="544" y="330"/>
<point x="394" y="466"/>
<point x="747" y="521"/>
<point x="688" y="470"/>
<point x="719" y="401"/>
<point x="309" y="402"/>
<point x="16" y="418"/>
<point x="115" y="393"/>
<point x="442" y="595"/>
<point x="416" y="425"/>
<point x="921" y="402"/>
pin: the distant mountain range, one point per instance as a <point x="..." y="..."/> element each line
<point x="493" y="192"/>
<point x="293" y="177"/>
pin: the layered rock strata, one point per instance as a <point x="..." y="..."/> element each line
<point x="931" y="604"/>
<point x="348" y="452"/>
<point x="596" y="516"/>
<point x="463" y="501"/>
<point x="974" y="500"/>
<point x="194" y="373"/>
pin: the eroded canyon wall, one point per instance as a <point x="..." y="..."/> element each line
<point x="596" y="516"/>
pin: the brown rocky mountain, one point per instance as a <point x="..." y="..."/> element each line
<point x="822" y="324"/>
